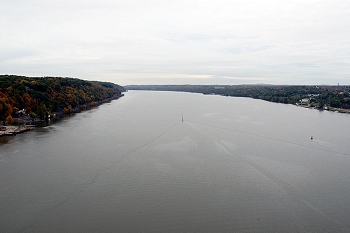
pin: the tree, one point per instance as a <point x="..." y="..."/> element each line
<point x="320" y="103"/>
<point x="9" y="119"/>
<point x="42" y="111"/>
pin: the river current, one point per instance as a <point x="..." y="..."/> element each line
<point x="133" y="165"/>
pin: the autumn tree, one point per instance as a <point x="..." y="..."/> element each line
<point x="50" y="94"/>
<point x="42" y="110"/>
<point x="9" y="119"/>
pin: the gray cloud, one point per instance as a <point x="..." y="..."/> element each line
<point x="268" y="41"/>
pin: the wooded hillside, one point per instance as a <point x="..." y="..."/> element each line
<point x="38" y="96"/>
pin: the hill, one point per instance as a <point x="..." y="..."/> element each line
<point x="39" y="96"/>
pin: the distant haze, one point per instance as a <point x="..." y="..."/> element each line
<point x="178" y="42"/>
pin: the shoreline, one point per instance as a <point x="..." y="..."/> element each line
<point x="12" y="130"/>
<point x="329" y="109"/>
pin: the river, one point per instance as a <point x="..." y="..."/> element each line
<point x="133" y="165"/>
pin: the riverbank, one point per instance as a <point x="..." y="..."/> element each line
<point x="11" y="130"/>
<point x="25" y="123"/>
<point x="334" y="98"/>
<point x="339" y="110"/>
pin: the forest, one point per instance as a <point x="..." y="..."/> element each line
<point x="40" y="96"/>
<point x="322" y="97"/>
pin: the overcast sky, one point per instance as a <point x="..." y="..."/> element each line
<point x="178" y="41"/>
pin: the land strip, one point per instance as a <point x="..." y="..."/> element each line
<point x="323" y="97"/>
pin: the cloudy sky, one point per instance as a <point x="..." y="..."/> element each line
<point x="178" y="42"/>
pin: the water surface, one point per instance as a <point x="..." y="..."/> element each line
<point x="132" y="165"/>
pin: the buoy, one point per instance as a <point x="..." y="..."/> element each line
<point x="312" y="137"/>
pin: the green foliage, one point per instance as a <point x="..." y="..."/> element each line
<point x="42" y="110"/>
<point x="38" y="96"/>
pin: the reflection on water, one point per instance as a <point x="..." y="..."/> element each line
<point x="232" y="165"/>
<point x="5" y="139"/>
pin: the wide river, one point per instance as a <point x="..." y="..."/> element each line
<point x="133" y="165"/>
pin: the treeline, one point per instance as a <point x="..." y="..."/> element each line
<point x="40" y="96"/>
<point x="318" y="96"/>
